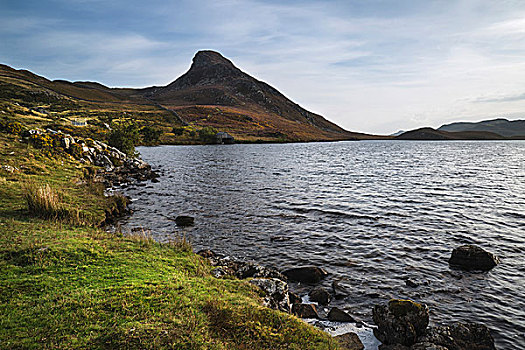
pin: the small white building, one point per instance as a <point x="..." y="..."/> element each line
<point x="78" y="122"/>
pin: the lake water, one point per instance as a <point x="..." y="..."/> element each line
<point x="373" y="214"/>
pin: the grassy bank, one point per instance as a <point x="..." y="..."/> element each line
<point x="66" y="283"/>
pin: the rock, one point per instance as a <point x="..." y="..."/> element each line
<point x="307" y="274"/>
<point x="338" y="315"/>
<point x="458" y="336"/>
<point x="294" y="298"/>
<point x="411" y="283"/>
<point x="305" y="310"/>
<point x="220" y="272"/>
<point x="349" y="341"/>
<point x="255" y="270"/>
<point x="320" y="295"/>
<point x="393" y="347"/>
<point x="207" y="253"/>
<point x="340" y="291"/>
<point x="400" y="322"/>
<point x="276" y="293"/>
<point x="184" y="220"/>
<point x="472" y="257"/>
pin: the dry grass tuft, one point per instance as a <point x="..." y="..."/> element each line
<point x="43" y="201"/>
<point x="141" y="236"/>
<point x="180" y="243"/>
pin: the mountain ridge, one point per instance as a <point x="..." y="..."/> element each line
<point x="213" y="92"/>
<point x="501" y="126"/>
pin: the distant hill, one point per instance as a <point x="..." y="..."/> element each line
<point x="436" y="135"/>
<point x="213" y="93"/>
<point x="503" y="127"/>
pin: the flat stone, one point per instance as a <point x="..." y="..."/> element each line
<point x="350" y="341"/>
<point x="338" y="315"/>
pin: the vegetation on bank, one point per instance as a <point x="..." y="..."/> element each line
<point x="66" y="283"/>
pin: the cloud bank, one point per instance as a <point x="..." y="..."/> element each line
<point x="371" y="66"/>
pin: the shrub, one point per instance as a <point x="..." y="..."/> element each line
<point x="207" y="134"/>
<point x="11" y="127"/>
<point x="150" y="135"/>
<point x="41" y="140"/>
<point x="178" y="131"/>
<point x="124" y="136"/>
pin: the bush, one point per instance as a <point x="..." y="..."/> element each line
<point x="207" y="134"/>
<point x="124" y="136"/>
<point x="150" y="135"/>
<point x="178" y="131"/>
<point x="11" y="127"/>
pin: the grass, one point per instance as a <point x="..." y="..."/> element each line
<point x="66" y="284"/>
<point x="45" y="202"/>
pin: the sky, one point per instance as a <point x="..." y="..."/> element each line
<point x="368" y="65"/>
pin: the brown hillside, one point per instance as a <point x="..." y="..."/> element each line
<point x="212" y="93"/>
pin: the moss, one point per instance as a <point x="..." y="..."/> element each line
<point x="401" y="307"/>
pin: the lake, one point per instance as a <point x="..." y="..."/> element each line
<point x="373" y="214"/>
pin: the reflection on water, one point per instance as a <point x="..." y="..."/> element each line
<point x="373" y="214"/>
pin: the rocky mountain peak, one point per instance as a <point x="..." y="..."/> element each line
<point x="207" y="58"/>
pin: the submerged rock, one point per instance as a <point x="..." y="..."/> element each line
<point x="183" y="220"/>
<point x="307" y="274"/>
<point x="472" y="257"/>
<point x="349" y="341"/>
<point x="338" y="315"/>
<point x="400" y="322"/>
<point x="340" y="291"/>
<point x="458" y="336"/>
<point x="320" y="295"/>
<point x="276" y="293"/>
<point x="305" y="310"/>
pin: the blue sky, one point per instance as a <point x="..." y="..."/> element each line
<point x="368" y="65"/>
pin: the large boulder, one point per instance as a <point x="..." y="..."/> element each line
<point x="458" y="336"/>
<point x="400" y="322"/>
<point x="276" y="292"/>
<point x="307" y="274"/>
<point x="350" y="341"/>
<point x="472" y="257"/>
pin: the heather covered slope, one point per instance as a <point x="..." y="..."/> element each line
<point x="213" y="93"/>
<point x="213" y="80"/>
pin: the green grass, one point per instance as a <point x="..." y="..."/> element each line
<point x="65" y="285"/>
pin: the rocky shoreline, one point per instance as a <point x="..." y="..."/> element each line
<point x="399" y="324"/>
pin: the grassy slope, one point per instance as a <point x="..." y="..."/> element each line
<point x="65" y="286"/>
<point x="99" y="103"/>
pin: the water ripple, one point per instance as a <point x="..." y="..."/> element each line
<point x="372" y="213"/>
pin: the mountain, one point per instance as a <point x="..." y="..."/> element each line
<point x="246" y="102"/>
<point x="500" y="126"/>
<point x="212" y="93"/>
<point x="439" y="135"/>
